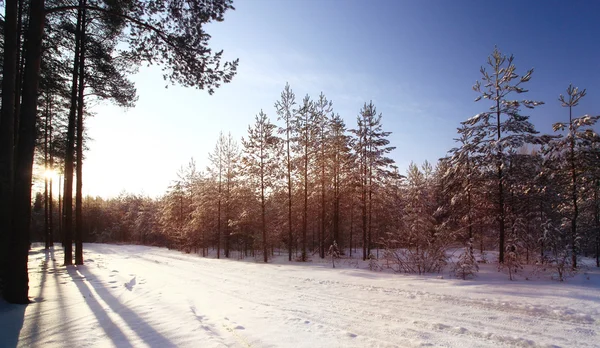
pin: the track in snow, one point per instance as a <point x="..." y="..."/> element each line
<point x="130" y="296"/>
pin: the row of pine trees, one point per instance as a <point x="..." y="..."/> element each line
<point x="302" y="180"/>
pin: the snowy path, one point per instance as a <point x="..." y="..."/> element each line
<point x="130" y="296"/>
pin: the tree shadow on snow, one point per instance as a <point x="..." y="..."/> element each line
<point x="11" y="321"/>
<point x="137" y="324"/>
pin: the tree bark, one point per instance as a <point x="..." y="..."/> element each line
<point x="17" y="285"/>
<point x="501" y="216"/>
<point x="573" y="193"/>
<point x="79" y="169"/>
<point x="289" y="178"/>
<point x="69" y="154"/>
<point x="7" y="134"/>
<point x="46" y="212"/>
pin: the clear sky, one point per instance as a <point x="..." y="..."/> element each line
<point x="417" y="61"/>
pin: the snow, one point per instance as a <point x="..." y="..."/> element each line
<point x="136" y="296"/>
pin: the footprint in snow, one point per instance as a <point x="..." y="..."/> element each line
<point x="115" y="271"/>
<point x="130" y="284"/>
<point x="350" y="334"/>
<point x="239" y="327"/>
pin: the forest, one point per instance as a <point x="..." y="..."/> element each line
<point x="302" y="182"/>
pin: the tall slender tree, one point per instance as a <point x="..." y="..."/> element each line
<point x="260" y="157"/>
<point x="371" y="148"/>
<point x="286" y="112"/>
<point x="503" y="126"/>
<point x="322" y="109"/>
<point x="304" y="138"/>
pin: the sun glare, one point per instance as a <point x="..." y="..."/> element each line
<point x="50" y="174"/>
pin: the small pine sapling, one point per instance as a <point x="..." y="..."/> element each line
<point x="334" y="252"/>
<point x="466" y="266"/>
<point x="511" y="260"/>
<point x="373" y="264"/>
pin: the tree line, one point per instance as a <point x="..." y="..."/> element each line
<point x="301" y="181"/>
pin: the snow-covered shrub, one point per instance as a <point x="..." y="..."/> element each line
<point x="561" y="263"/>
<point x="416" y="260"/>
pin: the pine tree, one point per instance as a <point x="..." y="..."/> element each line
<point x="260" y="156"/>
<point x="287" y="113"/>
<point x="502" y="127"/>
<point x="574" y="157"/>
<point x="341" y="162"/>
<point x="304" y="139"/>
<point x="371" y="147"/>
<point x="323" y="108"/>
<point x="466" y="266"/>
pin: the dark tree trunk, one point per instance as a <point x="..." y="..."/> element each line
<point x="17" y="285"/>
<point x="597" y="221"/>
<point x="305" y="216"/>
<point x="219" y="213"/>
<point x="262" y="202"/>
<point x="336" y="203"/>
<point x="79" y="169"/>
<point x="289" y="178"/>
<point x="574" y="241"/>
<point x="69" y="154"/>
<point x="322" y="237"/>
<point x="227" y="201"/>
<point x="7" y="133"/>
<point x="19" y="76"/>
<point x="46" y="211"/>
<point x="60" y="212"/>
<point x="501" y="216"/>
<point x="364" y="210"/>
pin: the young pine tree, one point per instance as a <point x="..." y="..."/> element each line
<point x="261" y="149"/>
<point x="503" y="126"/>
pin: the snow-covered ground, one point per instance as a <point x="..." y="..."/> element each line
<point x="134" y="296"/>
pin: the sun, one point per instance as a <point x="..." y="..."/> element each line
<point x="50" y="174"/>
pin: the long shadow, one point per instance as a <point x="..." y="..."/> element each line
<point x="146" y="332"/>
<point x="12" y="316"/>
<point x="11" y="322"/>
<point x="110" y="328"/>
<point x="35" y="327"/>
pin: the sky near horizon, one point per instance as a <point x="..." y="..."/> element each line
<point x="416" y="60"/>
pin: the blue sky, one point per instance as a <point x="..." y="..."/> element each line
<point x="417" y="61"/>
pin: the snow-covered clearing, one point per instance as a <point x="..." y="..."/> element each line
<point x="132" y="296"/>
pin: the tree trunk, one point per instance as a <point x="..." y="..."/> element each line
<point x="79" y="169"/>
<point x="262" y="204"/>
<point x="60" y="212"/>
<point x="7" y="133"/>
<point x="289" y="177"/>
<point x="322" y="239"/>
<point x="46" y="229"/>
<point x="501" y="217"/>
<point x="305" y="216"/>
<point x="597" y="221"/>
<point x="219" y="212"/>
<point x="17" y="285"/>
<point x="573" y="194"/>
<point x="20" y="67"/>
<point x="69" y="154"/>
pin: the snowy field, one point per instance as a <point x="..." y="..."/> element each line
<point x="135" y="296"/>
